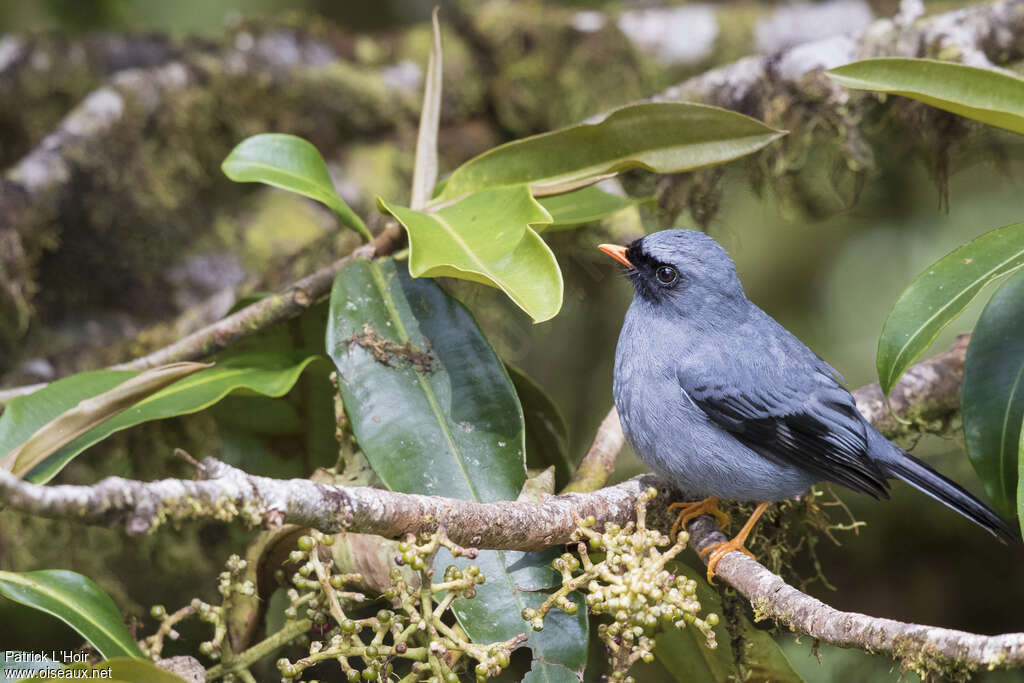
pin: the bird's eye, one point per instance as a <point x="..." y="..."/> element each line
<point x="667" y="275"/>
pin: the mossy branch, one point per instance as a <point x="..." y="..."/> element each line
<point x="226" y="493"/>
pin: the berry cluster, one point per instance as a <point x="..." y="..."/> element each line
<point x="631" y="585"/>
<point x="415" y="638"/>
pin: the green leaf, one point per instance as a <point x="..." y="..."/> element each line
<point x="940" y="294"/>
<point x="121" y="670"/>
<point x="89" y="413"/>
<point x="487" y="238"/>
<point x="665" y="137"/>
<point x="78" y="602"/>
<point x="429" y="402"/>
<point x="270" y="374"/>
<point x="293" y="164"/>
<point x="424" y="174"/>
<point x="986" y="95"/>
<point x="547" y="434"/>
<point x="586" y="205"/>
<point x="434" y="412"/>
<point x="992" y="397"/>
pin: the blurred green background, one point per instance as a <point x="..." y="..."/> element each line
<point x="830" y="279"/>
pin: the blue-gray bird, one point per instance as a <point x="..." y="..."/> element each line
<point x="720" y="399"/>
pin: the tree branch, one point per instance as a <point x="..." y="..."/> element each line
<point x="929" y="389"/>
<point x="923" y="649"/>
<point x="228" y="494"/>
<point x="983" y="35"/>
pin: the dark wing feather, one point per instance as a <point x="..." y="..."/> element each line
<point x="817" y="430"/>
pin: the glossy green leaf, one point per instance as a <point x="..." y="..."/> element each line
<point x="121" y="670"/>
<point x="665" y="137"/>
<point x="434" y="412"/>
<point x="429" y="402"/>
<point x="547" y="434"/>
<point x="586" y="205"/>
<point x="986" y="95"/>
<point x="91" y="412"/>
<point x="940" y="294"/>
<point x="270" y="374"/>
<point x="78" y="602"/>
<point x="992" y="397"/>
<point x="424" y="173"/>
<point x="293" y="164"/>
<point x="487" y="238"/>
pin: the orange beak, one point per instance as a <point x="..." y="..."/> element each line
<point x="617" y="252"/>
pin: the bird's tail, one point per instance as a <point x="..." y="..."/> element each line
<point x="899" y="464"/>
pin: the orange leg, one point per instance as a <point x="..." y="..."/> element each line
<point x="720" y="550"/>
<point x="688" y="511"/>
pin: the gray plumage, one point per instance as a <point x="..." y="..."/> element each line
<point x="719" y="398"/>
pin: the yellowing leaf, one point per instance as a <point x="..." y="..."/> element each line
<point x="487" y="238"/>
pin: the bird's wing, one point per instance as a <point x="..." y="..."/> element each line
<point x="804" y="419"/>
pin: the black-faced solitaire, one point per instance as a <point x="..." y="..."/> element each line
<point x="720" y="399"/>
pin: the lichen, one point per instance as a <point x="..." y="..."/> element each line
<point x="927" y="662"/>
<point x="392" y="353"/>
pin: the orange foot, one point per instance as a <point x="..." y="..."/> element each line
<point x="688" y="511"/>
<point x="720" y="550"/>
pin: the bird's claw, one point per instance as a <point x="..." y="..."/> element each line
<point x="692" y="510"/>
<point x="720" y="550"/>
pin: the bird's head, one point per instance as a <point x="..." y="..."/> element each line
<point x="684" y="271"/>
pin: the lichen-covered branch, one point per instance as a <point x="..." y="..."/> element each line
<point x="140" y="155"/>
<point x="983" y="35"/>
<point x="223" y="492"/>
<point x="226" y="493"/>
<point x="923" y="649"/>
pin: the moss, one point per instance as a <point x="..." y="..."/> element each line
<point x="379" y="169"/>
<point x="146" y="193"/>
<point x="547" y="74"/>
<point x="928" y="663"/>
